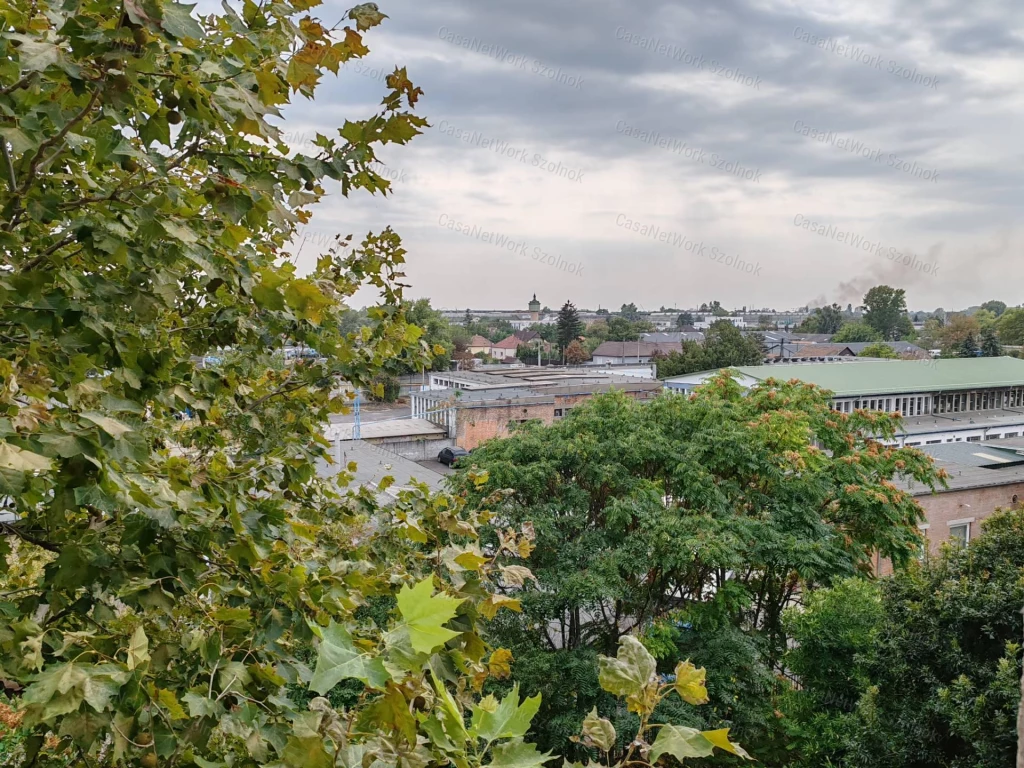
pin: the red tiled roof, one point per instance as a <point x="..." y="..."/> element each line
<point x="479" y="341"/>
<point x="510" y="342"/>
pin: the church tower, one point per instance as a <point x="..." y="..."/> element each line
<point x="535" y="309"/>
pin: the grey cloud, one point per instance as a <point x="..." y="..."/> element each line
<point x="965" y="128"/>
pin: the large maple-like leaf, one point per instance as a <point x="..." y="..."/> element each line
<point x="338" y="659"/>
<point x="509" y="719"/>
<point x="424" y="615"/>
<point x="517" y="754"/>
<point x="629" y="671"/>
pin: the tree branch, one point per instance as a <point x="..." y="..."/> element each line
<point x="13" y="531"/>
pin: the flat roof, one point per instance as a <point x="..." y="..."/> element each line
<point x="973" y="465"/>
<point x="895" y="376"/>
<point x="378" y="430"/>
<point x="496" y="395"/>
<point x="534" y="376"/>
<point x="374" y="463"/>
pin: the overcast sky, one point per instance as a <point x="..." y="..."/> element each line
<point x="770" y="153"/>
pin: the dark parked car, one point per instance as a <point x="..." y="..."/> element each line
<point x="448" y="456"/>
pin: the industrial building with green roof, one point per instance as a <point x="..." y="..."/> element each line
<point x="941" y="401"/>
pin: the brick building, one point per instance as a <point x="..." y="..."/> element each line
<point x="474" y="407"/>
<point x="982" y="479"/>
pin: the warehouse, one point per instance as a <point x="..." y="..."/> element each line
<point x="941" y="401"/>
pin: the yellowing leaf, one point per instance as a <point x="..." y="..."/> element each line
<point x="599" y="731"/>
<point x="516" y="575"/>
<point x="167" y="700"/>
<point x="138" y="648"/>
<point x="494" y="603"/>
<point x="424" y="614"/>
<point x="629" y="672"/>
<point x="690" y="683"/>
<point x="471" y="561"/>
<point x="720" y="739"/>
<point x="12" y="457"/>
<point x="500" y="663"/>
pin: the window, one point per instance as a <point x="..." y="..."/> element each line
<point x="975" y="439"/>
<point x="933" y="442"/>
<point x="1011" y="434"/>
<point x="912" y="445"/>
<point x="960" y="532"/>
<point x="558" y="413"/>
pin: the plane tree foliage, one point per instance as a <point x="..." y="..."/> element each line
<point x="693" y="521"/>
<point x="185" y="580"/>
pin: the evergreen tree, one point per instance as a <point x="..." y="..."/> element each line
<point x="684" y="319"/>
<point x="969" y="346"/>
<point x="468" y="319"/>
<point x="990" y="346"/>
<point x="569" y="326"/>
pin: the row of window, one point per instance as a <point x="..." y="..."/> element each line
<point x="907" y="406"/>
<point x="960" y="402"/>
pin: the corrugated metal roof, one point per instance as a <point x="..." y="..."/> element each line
<point x="899" y="376"/>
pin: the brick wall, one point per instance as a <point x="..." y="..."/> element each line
<point x="971" y="504"/>
<point x="475" y="425"/>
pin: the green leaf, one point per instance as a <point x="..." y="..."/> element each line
<point x="112" y="427"/>
<point x="690" y="683"/>
<point x="424" y="615"/>
<point x="630" y="671"/>
<point x="599" y="730"/>
<point x="178" y="231"/>
<point x="338" y="659"/>
<point x="35" y="55"/>
<point x="307" y="752"/>
<point x="517" y="754"/>
<point x="681" y="743"/>
<point x="509" y="719"/>
<point x="169" y="702"/>
<point x="178" y="21"/>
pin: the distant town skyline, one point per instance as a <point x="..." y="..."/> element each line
<point x="762" y="153"/>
